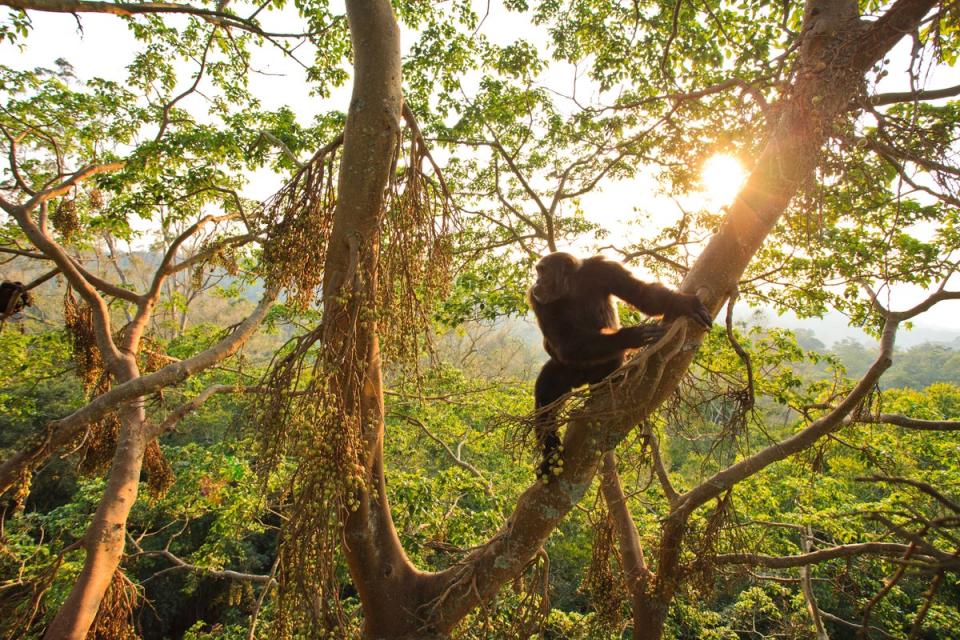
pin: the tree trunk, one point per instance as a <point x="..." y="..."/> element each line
<point x="836" y="51"/>
<point x="386" y="580"/>
<point x="105" y="538"/>
<point x="650" y="613"/>
<point x="637" y="576"/>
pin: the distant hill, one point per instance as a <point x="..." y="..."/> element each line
<point x="924" y="355"/>
<point x="834" y="327"/>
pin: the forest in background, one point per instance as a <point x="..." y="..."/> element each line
<point x="309" y="416"/>
<point x="484" y="370"/>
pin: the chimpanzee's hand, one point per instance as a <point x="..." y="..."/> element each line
<point x="698" y="311"/>
<point x="687" y="304"/>
<point x="642" y="335"/>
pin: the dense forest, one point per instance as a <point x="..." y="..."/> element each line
<point x="268" y="361"/>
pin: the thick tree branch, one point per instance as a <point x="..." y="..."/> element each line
<point x="813" y="557"/>
<point x="906" y="423"/>
<point x="895" y="23"/>
<point x="127" y="9"/>
<point x="634" y="566"/>
<point x="59" y="432"/>
<point x="883" y="99"/>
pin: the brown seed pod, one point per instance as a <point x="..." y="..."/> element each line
<point x="65" y="219"/>
<point x="96" y="198"/>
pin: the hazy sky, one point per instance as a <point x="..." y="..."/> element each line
<point x="104" y="45"/>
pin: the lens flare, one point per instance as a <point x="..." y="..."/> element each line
<point x="721" y="178"/>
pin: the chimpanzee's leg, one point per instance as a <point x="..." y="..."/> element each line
<point x="553" y="382"/>
<point x="597" y="372"/>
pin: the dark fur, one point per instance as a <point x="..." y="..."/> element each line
<point x="581" y="331"/>
<point x="13" y="298"/>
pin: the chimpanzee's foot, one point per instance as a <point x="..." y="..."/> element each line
<point x="551" y="462"/>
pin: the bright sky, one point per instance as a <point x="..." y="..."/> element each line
<point x="101" y="47"/>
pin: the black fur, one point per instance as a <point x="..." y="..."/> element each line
<point x="581" y="331"/>
<point x="13" y="298"/>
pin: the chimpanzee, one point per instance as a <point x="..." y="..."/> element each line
<point x="13" y="298"/>
<point x="582" y="333"/>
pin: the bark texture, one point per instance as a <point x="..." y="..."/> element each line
<point x="386" y="580"/>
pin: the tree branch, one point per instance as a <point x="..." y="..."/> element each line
<point x="896" y="22"/>
<point x="905" y="422"/>
<point x="181" y="565"/>
<point x="75" y="178"/>
<point x="724" y="480"/>
<point x="813" y="557"/>
<point x="883" y="99"/>
<point x="59" y="432"/>
<point x="455" y="457"/>
<point x="128" y="9"/>
<point x="634" y="566"/>
<point x="806" y="584"/>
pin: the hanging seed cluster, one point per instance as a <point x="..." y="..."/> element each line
<point x="603" y="579"/>
<point x="160" y="474"/>
<point x="224" y="257"/>
<point x="322" y="425"/>
<point x="314" y="414"/>
<point x="159" y="471"/>
<point x="415" y="256"/>
<point x="96" y="198"/>
<point x="65" y="218"/>
<point x="99" y="442"/>
<point x="316" y="411"/>
<point x="98" y="445"/>
<point x="100" y="439"/>
<point x="152" y="356"/>
<point x="297" y="222"/>
<point x="114" y="619"/>
<point x="78" y="322"/>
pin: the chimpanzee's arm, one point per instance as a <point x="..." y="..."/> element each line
<point x="652" y="298"/>
<point x="601" y="347"/>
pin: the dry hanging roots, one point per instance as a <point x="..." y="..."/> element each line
<point x="114" y="619"/>
<point x="603" y="581"/>
<point x="78" y="322"/>
<point x="100" y="440"/>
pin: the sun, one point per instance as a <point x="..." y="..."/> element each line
<point x="721" y="178"/>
